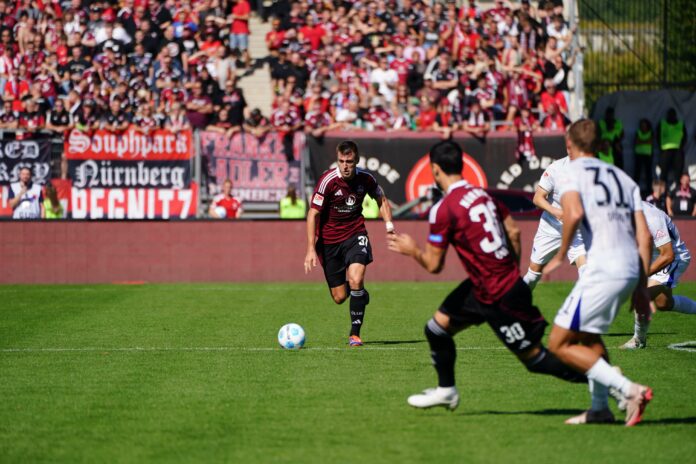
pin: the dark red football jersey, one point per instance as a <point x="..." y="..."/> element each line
<point x="339" y="203"/>
<point x="472" y="221"/>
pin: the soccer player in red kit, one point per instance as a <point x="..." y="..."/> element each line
<point x="487" y="241"/>
<point x="336" y="233"/>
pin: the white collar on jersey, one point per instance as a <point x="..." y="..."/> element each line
<point x="459" y="183"/>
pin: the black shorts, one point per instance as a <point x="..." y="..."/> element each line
<point x="336" y="257"/>
<point x="513" y="318"/>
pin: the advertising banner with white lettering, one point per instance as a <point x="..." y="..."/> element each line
<point x="401" y="164"/>
<point x="131" y="175"/>
<point x="257" y="166"/>
<point x="16" y="154"/>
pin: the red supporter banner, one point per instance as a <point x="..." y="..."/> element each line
<point x="5" y="210"/>
<point x="257" y="166"/>
<point x="158" y="145"/>
<point x="118" y="203"/>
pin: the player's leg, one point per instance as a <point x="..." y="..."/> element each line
<point x="520" y="326"/>
<point x="678" y="303"/>
<point x="334" y="267"/>
<point x="358" y="301"/>
<point x="358" y="254"/>
<point x="451" y="318"/>
<point x="575" y="339"/>
<point x="547" y="241"/>
<point x="660" y="286"/>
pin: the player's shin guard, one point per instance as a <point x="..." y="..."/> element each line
<point x="547" y="363"/>
<point x="531" y="278"/>
<point x="358" y="302"/>
<point x="443" y="352"/>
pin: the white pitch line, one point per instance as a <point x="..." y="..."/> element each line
<point x="136" y="349"/>
<point x="684" y="346"/>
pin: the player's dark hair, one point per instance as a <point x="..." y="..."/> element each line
<point x="347" y="147"/>
<point x="28" y="168"/>
<point x="584" y="134"/>
<point x="448" y="155"/>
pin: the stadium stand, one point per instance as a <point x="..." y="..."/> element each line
<point x="407" y="65"/>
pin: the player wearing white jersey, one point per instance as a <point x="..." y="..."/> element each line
<point x="670" y="259"/>
<point x="547" y="240"/>
<point x="605" y="203"/>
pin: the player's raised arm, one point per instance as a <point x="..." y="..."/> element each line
<point x="311" y="255"/>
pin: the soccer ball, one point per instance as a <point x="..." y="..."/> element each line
<point x="221" y="212"/>
<point x="291" y="336"/>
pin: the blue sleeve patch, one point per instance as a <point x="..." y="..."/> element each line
<point x="435" y="238"/>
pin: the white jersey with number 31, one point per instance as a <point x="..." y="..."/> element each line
<point x="609" y="198"/>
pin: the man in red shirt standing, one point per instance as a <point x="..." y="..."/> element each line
<point x="224" y="205"/>
<point x="239" y="29"/>
<point x="336" y="233"/>
<point x="487" y="241"/>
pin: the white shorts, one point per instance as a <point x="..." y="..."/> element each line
<point x="593" y="304"/>
<point x="547" y="241"/>
<point x="669" y="276"/>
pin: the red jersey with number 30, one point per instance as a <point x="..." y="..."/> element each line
<point x="472" y="221"/>
<point x="339" y="203"/>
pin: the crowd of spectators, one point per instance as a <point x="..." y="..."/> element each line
<point x="379" y="64"/>
<point x="104" y="64"/>
<point x="421" y="66"/>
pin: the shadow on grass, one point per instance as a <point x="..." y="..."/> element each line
<point x="575" y="412"/>
<point x="669" y="421"/>
<point x="630" y="334"/>
<point x="394" y="342"/>
<point x="541" y="412"/>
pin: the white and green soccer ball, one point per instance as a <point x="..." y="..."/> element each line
<point x="291" y="336"/>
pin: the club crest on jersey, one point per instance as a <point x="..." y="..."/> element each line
<point x="351" y="200"/>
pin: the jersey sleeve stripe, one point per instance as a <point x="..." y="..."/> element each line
<point x="324" y="183"/>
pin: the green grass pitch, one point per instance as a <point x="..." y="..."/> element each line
<point x="193" y="373"/>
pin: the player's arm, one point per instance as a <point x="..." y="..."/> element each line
<point x="432" y="259"/>
<point x="386" y="212"/>
<point x="664" y="259"/>
<point x="311" y="255"/>
<point x="573" y="212"/>
<point x="541" y="202"/>
<point x="644" y="240"/>
<point x="640" y="300"/>
<point x="514" y="236"/>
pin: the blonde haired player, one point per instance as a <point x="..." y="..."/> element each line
<point x="670" y="259"/>
<point x="605" y="204"/>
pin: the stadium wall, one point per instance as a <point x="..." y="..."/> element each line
<point x="206" y="251"/>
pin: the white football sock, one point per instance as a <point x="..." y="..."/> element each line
<point x="447" y="391"/>
<point x="603" y="373"/>
<point x="600" y="395"/>
<point x="640" y="328"/>
<point x="531" y="278"/>
<point x="684" y="305"/>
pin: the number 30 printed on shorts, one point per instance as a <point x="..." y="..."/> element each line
<point x="512" y="333"/>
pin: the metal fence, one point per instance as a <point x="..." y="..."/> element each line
<point x="637" y="45"/>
